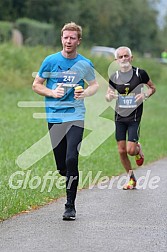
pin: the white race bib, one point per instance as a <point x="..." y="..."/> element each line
<point x="127" y="101"/>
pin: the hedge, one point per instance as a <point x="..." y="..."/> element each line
<point x="36" y="33"/>
<point x="5" y="31"/>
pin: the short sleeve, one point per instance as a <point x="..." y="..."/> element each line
<point x="111" y="83"/>
<point x="85" y="69"/>
<point x="44" y="70"/>
<point x="144" y="76"/>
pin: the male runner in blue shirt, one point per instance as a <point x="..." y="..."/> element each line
<point x="64" y="73"/>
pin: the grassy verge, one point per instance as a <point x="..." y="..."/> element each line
<point x="19" y="130"/>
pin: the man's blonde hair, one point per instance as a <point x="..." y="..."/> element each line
<point x="72" y="27"/>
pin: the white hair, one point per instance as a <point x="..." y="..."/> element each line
<point x="122" y="47"/>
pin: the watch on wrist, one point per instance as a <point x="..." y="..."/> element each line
<point x="146" y="96"/>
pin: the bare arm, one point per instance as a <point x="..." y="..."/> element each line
<point x="39" y="87"/>
<point x="89" y="91"/>
<point x="151" y="88"/>
<point x="110" y="95"/>
<point x="150" y="91"/>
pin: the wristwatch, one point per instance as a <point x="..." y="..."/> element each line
<point x="146" y="96"/>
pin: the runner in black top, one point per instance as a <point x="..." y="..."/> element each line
<point x="127" y="87"/>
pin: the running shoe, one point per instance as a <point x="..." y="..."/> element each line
<point x="140" y="156"/>
<point x="70" y="212"/>
<point x="130" y="185"/>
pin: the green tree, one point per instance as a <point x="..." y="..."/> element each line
<point x="138" y="27"/>
<point x="108" y="22"/>
<point x="163" y="35"/>
<point x="10" y="10"/>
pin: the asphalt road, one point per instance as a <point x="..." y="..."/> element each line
<point x="108" y="219"/>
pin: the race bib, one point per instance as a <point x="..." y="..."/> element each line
<point x="68" y="78"/>
<point x="127" y="101"/>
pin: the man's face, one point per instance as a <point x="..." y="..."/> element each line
<point x="123" y="58"/>
<point x="70" y="41"/>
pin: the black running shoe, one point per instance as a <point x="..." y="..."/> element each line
<point x="70" y="212"/>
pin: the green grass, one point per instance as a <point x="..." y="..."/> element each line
<point x="19" y="130"/>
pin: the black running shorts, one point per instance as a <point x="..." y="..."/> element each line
<point x="130" y="129"/>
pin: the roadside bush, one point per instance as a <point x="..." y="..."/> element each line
<point x="5" y="31"/>
<point x="36" y="33"/>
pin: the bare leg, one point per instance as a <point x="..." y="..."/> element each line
<point x="132" y="148"/>
<point x="122" y="149"/>
<point x="125" y="149"/>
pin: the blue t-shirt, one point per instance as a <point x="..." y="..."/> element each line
<point x="57" y="69"/>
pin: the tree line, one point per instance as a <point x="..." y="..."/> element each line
<point x="108" y="22"/>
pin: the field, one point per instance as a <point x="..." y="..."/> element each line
<point x="24" y="187"/>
